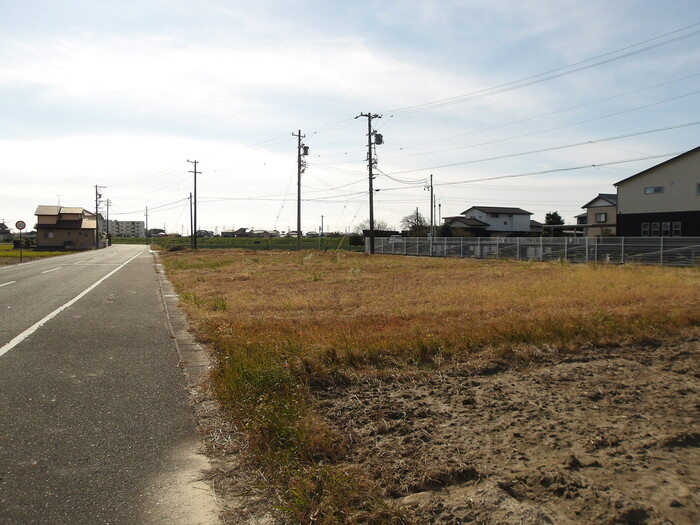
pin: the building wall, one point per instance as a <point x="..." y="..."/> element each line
<point x="679" y="181"/>
<point x="607" y="227"/>
<point x="57" y="238"/>
<point x="668" y="224"/>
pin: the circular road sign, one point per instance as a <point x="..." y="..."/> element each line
<point x="20" y="225"/>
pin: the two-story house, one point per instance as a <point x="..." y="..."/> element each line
<point x="600" y="218"/>
<point x="491" y="220"/>
<point x="65" y="227"/>
<point x="662" y="201"/>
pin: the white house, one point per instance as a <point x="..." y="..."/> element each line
<point x="662" y="201"/>
<point x="492" y="220"/>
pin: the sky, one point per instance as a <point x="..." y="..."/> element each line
<point x="540" y="105"/>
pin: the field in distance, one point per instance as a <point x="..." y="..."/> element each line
<point x="390" y="389"/>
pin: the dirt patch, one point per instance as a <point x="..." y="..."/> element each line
<point x="607" y="436"/>
<point x="602" y="436"/>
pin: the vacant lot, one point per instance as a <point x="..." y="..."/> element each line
<point x="387" y="389"/>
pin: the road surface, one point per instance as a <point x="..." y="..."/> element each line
<point x="96" y="422"/>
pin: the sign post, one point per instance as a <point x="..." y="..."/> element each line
<point x="20" y="225"/>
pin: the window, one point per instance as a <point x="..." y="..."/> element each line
<point x="48" y="235"/>
<point x="494" y="215"/>
<point x="645" y="229"/>
<point x="653" y="189"/>
<point x="654" y="229"/>
<point x="697" y="189"/>
<point x="665" y="229"/>
<point x="677" y="229"/>
<point x="601" y="217"/>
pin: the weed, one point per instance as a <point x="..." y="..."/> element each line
<point x="218" y="303"/>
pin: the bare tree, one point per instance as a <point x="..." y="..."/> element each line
<point x="378" y="225"/>
<point x="413" y="221"/>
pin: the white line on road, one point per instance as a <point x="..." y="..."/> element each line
<point x="52" y="270"/>
<point x="29" y="331"/>
<point x="5" y="284"/>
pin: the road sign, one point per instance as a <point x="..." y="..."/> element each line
<point x="20" y="225"/>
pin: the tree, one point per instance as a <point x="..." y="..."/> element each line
<point x="553" y="219"/>
<point x="378" y="225"/>
<point x="413" y="221"/>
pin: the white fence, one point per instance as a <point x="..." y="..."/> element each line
<point x="674" y="251"/>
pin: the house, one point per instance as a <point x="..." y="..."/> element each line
<point x="5" y="233"/>
<point x="65" y="227"/>
<point x="480" y="220"/>
<point x="662" y="201"/>
<point x="600" y="218"/>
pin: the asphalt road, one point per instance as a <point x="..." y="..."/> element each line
<point x="95" y="422"/>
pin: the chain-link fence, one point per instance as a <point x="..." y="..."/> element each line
<point x="674" y="251"/>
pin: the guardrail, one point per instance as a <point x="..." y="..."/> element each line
<point x="672" y="251"/>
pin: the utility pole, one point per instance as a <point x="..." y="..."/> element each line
<point x="98" y="196"/>
<point x="194" y="231"/>
<point x="108" y="202"/>
<point x="147" y="223"/>
<point x="320" y="239"/>
<point x="432" y="215"/>
<point x="371" y="161"/>
<point x="302" y="151"/>
<point x="191" y="228"/>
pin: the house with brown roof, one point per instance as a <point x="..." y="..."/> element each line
<point x="65" y="227"/>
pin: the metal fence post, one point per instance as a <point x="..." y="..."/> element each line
<point x="566" y="248"/>
<point x="517" y="248"/>
<point x="661" y="249"/>
<point x="622" y="250"/>
<point x="541" y="250"/>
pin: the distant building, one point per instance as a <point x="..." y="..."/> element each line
<point x="490" y="220"/>
<point x="600" y="218"/>
<point x="127" y="228"/>
<point x="5" y="233"/>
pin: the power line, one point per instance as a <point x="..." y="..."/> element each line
<point x="551" y="74"/>
<point x="553" y="148"/>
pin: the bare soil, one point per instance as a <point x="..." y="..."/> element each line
<point x="597" y="436"/>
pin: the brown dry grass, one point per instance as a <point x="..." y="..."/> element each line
<point x="284" y="323"/>
<point x="344" y="305"/>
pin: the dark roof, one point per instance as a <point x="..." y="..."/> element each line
<point x="610" y="197"/>
<point x="498" y="209"/>
<point x="3" y="227"/>
<point x="470" y="222"/>
<point x="678" y="157"/>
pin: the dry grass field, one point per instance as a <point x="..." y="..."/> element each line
<point x="380" y="389"/>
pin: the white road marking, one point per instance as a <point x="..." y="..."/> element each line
<point x="29" y="331"/>
<point x="52" y="270"/>
<point x="5" y="284"/>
